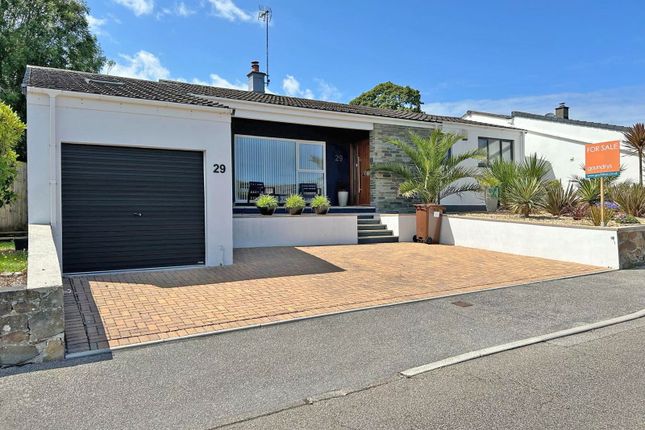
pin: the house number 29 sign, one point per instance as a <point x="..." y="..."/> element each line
<point x="219" y="168"/>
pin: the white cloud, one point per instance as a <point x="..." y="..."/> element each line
<point x="327" y="91"/>
<point x="179" y="9"/>
<point x="138" y="7"/>
<point x="624" y="105"/>
<point x="218" y="81"/>
<point x="96" y="24"/>
<point x="142" y="65"/>
<point x="291" y="87"/>
<point x="229" y="10"/>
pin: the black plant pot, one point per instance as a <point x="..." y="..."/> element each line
<point x="295" y="211"/>
<point x="266" y="211"/>
<point x="321" y="210"/>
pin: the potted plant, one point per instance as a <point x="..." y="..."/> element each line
<point x="294" y="204"/>
<point x="320" y="204"/>
<point x="432" y="174"/>
<point x="267" y="204"/>
<point x="343" y="195"/>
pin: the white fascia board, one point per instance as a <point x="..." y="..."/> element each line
<point x="129" y="101"/>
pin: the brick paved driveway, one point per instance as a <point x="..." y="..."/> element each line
<point x="278" y="284"/>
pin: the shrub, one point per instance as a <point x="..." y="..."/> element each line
<point x="594" y="215"/>
<point x="627" y="219"/>
<point x="629" y="197"/>
<point x="499" y="174"/>
<point x="267" y="201"/>
<point x="320" y="202"/>
<point x="559" y="201"/>
<point x="589" y="190"/>
<point x="579" y="211"/>
<point x="525" y="194"/>
<point x="534" y="167"/>
<point x="295" y="201"/>
<point x="11" y="130"/>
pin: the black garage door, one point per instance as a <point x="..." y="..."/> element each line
<point x="128" y="208"/>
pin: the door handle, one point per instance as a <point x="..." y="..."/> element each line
<point x="137" y="214"/>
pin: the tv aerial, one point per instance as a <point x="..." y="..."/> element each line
<point x="264" y="15"/>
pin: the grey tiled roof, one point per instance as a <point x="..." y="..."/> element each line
<point x="192" y="94"/>
<point x="93" y="83"/>
<point x="569" y="121"/>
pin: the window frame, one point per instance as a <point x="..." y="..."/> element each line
<point x="501" y="153"/>
<point x="298" y="170"/>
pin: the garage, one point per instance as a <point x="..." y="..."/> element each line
<point x="131" y="208"/>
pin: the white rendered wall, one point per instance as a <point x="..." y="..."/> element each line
<point x="402" y="225"/>
<point x="592" y="246"/>
<point x="562" y="144"/>
<point x="121" y="122"/>
<point x="252" y="231"/>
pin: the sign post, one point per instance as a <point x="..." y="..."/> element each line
<point x="602" y="160"/>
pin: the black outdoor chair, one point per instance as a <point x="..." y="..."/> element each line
<point x="308" y="191"/>
<point x="255" y="190"/>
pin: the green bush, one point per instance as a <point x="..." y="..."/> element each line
<point x="320" y="202"/>
<point x="589" y="190"/>
<point x="627" y="219"/>
<point x="525" y="195"/>
<point x="295" y="201"/>
<point x="11" y="130"/>
<point x="559" y="201"/>
<point x="267" y="201"/>
<point x="629" y="197"/>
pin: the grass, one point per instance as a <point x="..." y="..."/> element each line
<point x="12" y="260"/>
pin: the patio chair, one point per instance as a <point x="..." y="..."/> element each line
<point x="308" y="190"/>
<point x="255" y="190"/>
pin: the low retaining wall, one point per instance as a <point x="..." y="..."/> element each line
<point x="32" y="317"/>
<point x="631" y="246"/>
<point x="402" y="225"/>
<point x="253" y="231"/>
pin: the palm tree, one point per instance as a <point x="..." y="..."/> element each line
<point x="635" y="143"/>
<point x="433" y="172"/>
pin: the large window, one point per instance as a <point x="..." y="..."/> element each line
<point x="281" y="164"/>
<point x="496" y="149"/>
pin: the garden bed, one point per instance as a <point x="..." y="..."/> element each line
<point x="13" y="266"/>
<point x="539" y="218"/>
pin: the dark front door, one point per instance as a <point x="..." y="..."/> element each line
<point x="363" y="150"/>
<point x="128" y="208"/>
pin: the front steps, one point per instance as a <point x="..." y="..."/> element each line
<point x="370" y="230"/>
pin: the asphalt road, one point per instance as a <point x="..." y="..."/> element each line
<point x="215" y="380"/>
<point x="590" y="381"/>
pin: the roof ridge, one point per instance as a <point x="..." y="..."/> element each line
<point x="593" y="124"/>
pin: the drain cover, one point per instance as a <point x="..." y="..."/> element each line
<point x="462" y="304"/>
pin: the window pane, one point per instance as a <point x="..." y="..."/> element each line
<point x="272" y="161"/>
<point x="507" y="150"/>
<point x="312" y="178"/>
<point x="311" y="156"/>
<point x="493" y="150"/>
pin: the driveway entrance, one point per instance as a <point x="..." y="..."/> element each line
<point x="267" y="285"/>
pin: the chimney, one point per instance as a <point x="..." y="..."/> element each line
<point x="562" y="111"/>
<point x="256" y="78"/>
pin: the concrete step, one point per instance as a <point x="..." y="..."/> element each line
<point x="371" y="227"/>
<point x="367" y="221"/>
<point x="373" y="233"/>
<point x="377" y="239"/>
<point x="365" y="217"/>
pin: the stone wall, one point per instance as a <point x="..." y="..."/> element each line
<point x="384" y="189"/>
<point x="31" y="326"/>
<point x="631" y="247"/>
<point x="32" y="320"/>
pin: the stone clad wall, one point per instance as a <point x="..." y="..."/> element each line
<point x="384" y="188"/>
<point x="631" y="247"/>
<point x="32" y="321"/>
<point x="31" y="326"/>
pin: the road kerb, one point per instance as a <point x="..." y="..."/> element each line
<point x="518" y="344"/>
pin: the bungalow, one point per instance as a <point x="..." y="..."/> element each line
<point x="561" y="140"/>
<point x="138" y="174"/>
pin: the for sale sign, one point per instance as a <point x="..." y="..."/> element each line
<point x="602" y="159"/>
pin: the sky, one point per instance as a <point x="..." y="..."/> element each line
<point x="494" y="55"/>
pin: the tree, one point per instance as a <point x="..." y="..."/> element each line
<point x="11" y="131"/>
<point x="390" y="96"/>
<point x="52" y="33"/>
<point x="433" y="172"/>
<point x="635" y="143"/>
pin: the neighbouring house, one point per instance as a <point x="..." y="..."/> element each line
<point x="561" y="140"/>
<point x="138" y="174"/>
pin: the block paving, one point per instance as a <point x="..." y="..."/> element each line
<point x="266" y="285"/>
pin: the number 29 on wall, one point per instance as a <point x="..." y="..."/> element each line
<point x="219" y="168"/>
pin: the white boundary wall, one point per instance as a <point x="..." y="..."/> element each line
<point x="55" y="117"/>
<point x="252" y="231"/>
<point x="586" y="245"/>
